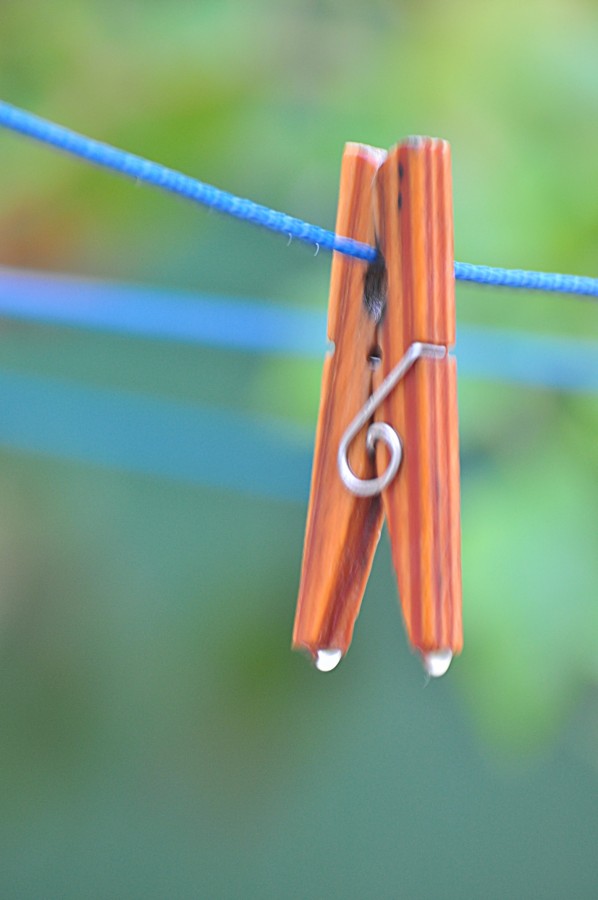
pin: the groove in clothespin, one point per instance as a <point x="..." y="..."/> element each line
<point x="415" y="234"/>
<point x="342" y="530"/>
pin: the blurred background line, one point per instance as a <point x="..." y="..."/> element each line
<point x="160" y="176"/>
<point x="149" y="436"/>
<point x="249" y="326"/>
<point x="130" y="432"/>
<point x="150" y="312"/>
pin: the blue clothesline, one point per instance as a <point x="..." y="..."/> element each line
<point x="248" y="326"/>
<point x="169" y="180"/>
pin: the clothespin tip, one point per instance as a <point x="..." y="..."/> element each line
<point x="327" y="660"/>
<point x="437" y="663"/>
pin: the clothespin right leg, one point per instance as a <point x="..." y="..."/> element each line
<point x="415" y="233"/>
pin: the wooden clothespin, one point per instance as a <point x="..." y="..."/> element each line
<point x="387" y="436"/>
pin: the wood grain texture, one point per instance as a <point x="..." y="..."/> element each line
<point x="342" y="530"/>
<point x="415" y="234"/>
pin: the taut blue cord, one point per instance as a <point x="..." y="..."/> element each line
<point x="528" y="280"/>
<point x="175" y="182"/>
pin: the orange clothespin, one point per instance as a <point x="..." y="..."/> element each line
<point x="387" y="436"/>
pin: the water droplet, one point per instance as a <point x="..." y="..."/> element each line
<point x="437" y="662"/>
<point x="327" y="660"/>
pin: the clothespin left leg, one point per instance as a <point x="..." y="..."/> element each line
<point x="342" y="530"/>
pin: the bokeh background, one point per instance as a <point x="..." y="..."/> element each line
<point x="157" y="736"/>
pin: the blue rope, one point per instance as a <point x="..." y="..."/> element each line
<point x="175" y="182"/>
<point x="524" y="279"/>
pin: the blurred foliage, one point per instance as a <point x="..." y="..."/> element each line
<point x="158" y="738"/>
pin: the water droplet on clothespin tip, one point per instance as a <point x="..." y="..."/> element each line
<point x="436" y="663"/>
<point x="327" y="660"/>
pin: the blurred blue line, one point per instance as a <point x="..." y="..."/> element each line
<point x="136" y="433"/>
<point x="564" y="364"/>
<point x="244" y="325"/>
<point x="166" y="315"/>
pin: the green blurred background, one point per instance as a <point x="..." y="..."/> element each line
<point x="157" y="736"/>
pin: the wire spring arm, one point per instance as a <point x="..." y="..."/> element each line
<point x="380" y="431"/>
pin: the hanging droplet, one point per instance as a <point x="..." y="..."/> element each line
<point x="437" y="662"/>
<point x="327" y="660"/>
